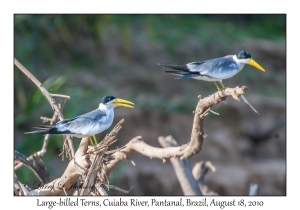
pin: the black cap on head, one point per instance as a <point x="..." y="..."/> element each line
<point x="107" y="99"/>
<point x="243" y="55"/>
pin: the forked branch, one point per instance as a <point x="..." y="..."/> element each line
<point x="50" y="99"/>
<point x="187" y="150"/>
<point x="85" y="163"/>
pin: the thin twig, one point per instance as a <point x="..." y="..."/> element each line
<point x="214" y="112"/>
<point x="60" y="96"/>
<point x="49" y="98"/>
<point x="22" y="158"/>
<point x="43" y="150"/>
<point x="118" y="189"/>
<point x="108" y="139"/>
<point x="102" y="191"/>
<point x="17" y="188"/>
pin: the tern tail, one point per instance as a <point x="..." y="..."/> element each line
<point x="183" y="74"/>
<point x="176" y="67"/>
<point x="38" y="132"/>
<point x="47" y="129"/>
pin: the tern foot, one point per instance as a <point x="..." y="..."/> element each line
<point x="91" y="140"/>
<point x="223" y="87"/>
<point x="217" y="86"/>
<point x="95" y="140"/>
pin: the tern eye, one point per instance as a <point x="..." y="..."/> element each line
<point x="107" y="99"/>
<point x="243" y="55"/>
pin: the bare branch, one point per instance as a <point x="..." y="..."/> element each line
<point x="187" y="150"/>
<point x="199" y="171"/>
<point x="253" y="190"/>
<point x="91" y="177"/>
<point x="81" y="165"/>
<point x="108" y="139"/>
<point x="102" y="191"/>
<point x="118" y="189"/>
<point x="60" y="96"/>
<point x="76" y="167"/>
<point x="43" y="172"/>
<point x="49" y="98"/>
<point x="137" y="144"/>
<point x="22" y="158"/>
<point x="201" y="168"/>
<point x="197" y="136"/>
<point x="44" y="147"/>
<point x="17" y="188"/>
<point x="182" y="169"/>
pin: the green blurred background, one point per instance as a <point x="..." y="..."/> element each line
<point x="90" y="56"/>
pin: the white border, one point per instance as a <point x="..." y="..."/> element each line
<point x="8" y="8"/>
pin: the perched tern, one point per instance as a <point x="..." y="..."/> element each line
<point x="89" y="124"/>
<point x="214" y="70"/>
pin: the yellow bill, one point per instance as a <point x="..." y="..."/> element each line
<point x="124" y="103"/>
<point x="256" y="65"/>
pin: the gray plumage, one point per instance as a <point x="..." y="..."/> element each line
<point x="88" y="124"/>
<point x="84" y="125"/>
<point x="210" y="70"/>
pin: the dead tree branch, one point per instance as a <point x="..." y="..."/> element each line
<point x="22" y="158"/>
<point x="90" y="179"/>
<point x="76" y="167"/>
<point x="199" y="171"/>
<point x="18" y="190"/>
<point x="44" y="147"/>
<point x="83" y="164"/>
<point x="254" y="190"/>
<point x="70" y="150"/>
<point x="187" y="150"/>
<point x="182" y="170"/>
<point x="197" y="136"/>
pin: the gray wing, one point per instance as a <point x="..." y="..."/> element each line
<point x="82" y="123"/>
<point x="214" y="68"/>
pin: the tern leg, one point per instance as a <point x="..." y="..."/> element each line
<point x="217" y="86"/>
<point x="95" y="140"/>
<point x="91" y="140"/>
<point x="222" y="85"/>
